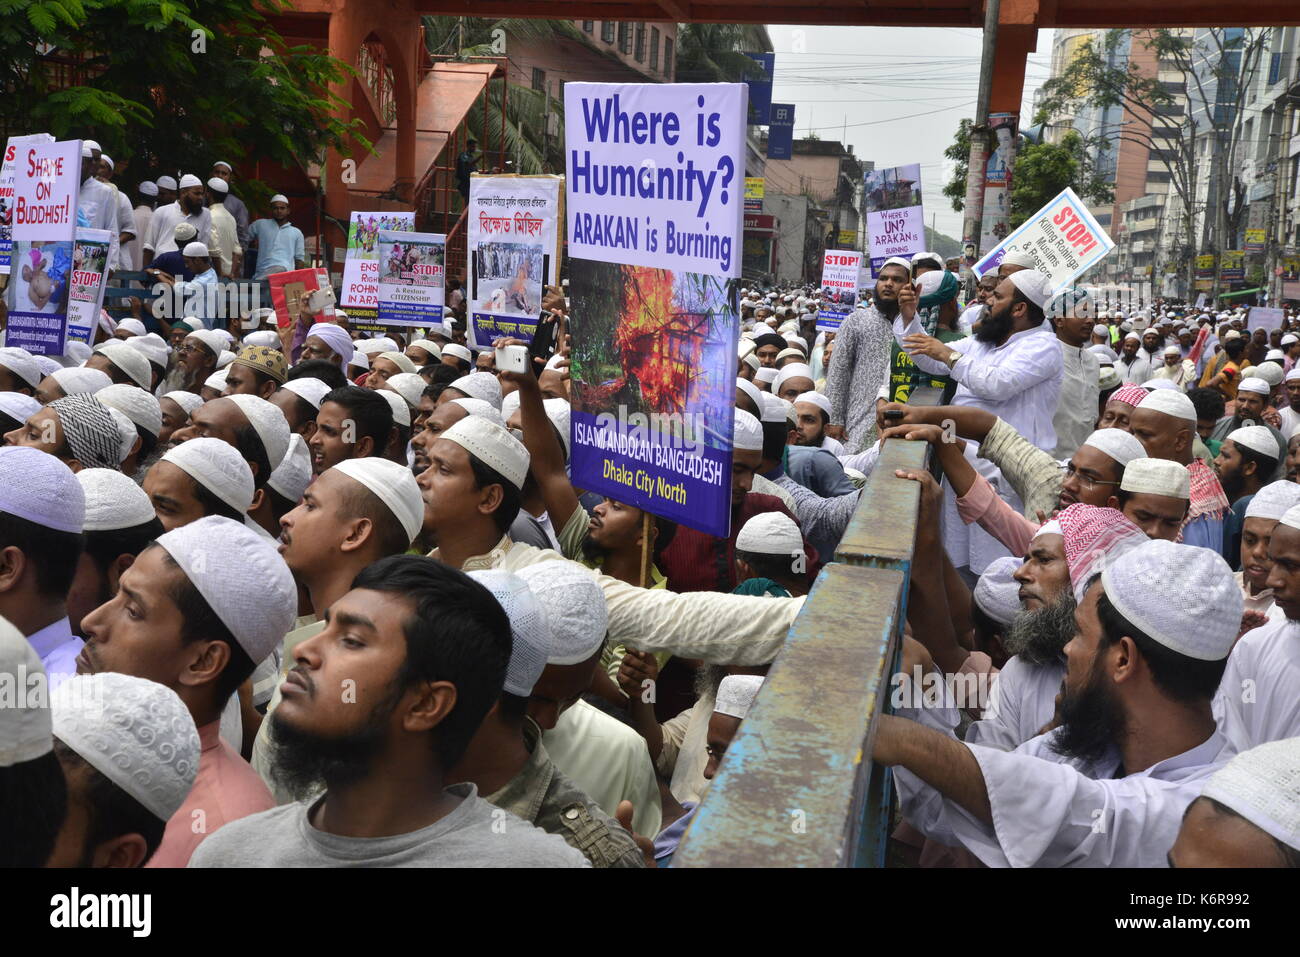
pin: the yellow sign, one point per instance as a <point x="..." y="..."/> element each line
<point x="1255" y="240"/>
<point x="847" y="237"/>
<point x="755" y="187"/>
<point x="1205" y="261"/>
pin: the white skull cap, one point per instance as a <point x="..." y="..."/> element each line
<point x="1263" y="786"/>
<point x="25" y="727"/>
<point x="135" y="732"/>
<point x="216" y="466"/>
<point x="770" y="533"/>
<point x="268" y="422"/>
<point x="1257" y="438"/>
<point x="480" y="385"/>
<point x="21" y="363"/>
<point x="1172" y="403"/>
<point x="392" y="484"/>
<point x="241" y="576"/>
<point x="747" y="433"/>
<point x="398" y="359"/>
<point x="795" y="370"/>
<point x="131" y="361"/>
<point x="736" y="695"/>
<point x="409" y="385"/>
<point x="1033" y="285"/>
<point x="997" y="592"/>
<point x="1157" y="477"/>
<point x="151" y="345"/>
<point x="292" y="476"/>
<point x="39" y="488"/>
<point x="79" y="380"/>
<point x="492" y="445"/>
<point x="1116" y="443"/>
<point x="1274" y="500"/>
<point x="1254" y="384"/>
<point x="136" y="404"/>
<point x="17" y="406"/>
<point x="480" y="408"/>
<point x="188" y="401"/>
<point x="529" y="630"/>
<point x="558" y="411"/>
<point x="113" y="501"/>
<point x="751" y="390"/>
<point x="815" y="398"/>
<point x="428" y="345"/>
<point x="575" y="608"/>
<point x="401" y="411"/>
<point x="1181" y="596"/>
<point x="312" y="391"/>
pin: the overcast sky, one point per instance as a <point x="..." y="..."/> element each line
<point x="896" y="94"/>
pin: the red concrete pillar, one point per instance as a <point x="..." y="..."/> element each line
<point x="1015" y="42"/>
<point x="402" y="57"/>
<point x="345" y="35"/>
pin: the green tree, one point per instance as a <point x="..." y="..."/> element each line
<point x="1044" y="169"/>
<point x="959" y="153"/>
<point x="170" y="83"/>
<point x="715" y="52"/>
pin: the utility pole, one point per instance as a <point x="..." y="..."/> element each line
<point x="972" y="222"/>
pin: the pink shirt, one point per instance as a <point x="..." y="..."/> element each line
<point x="982" y="504"/>
<point x="226" y="789"/>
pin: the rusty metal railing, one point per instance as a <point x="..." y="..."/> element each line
<point x="797" y="787"/>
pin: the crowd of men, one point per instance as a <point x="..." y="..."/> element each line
<point x="303" y="596"/>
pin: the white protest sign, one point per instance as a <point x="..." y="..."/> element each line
<point x="86" y="294"/>
<point x="361" y="268"/>
<point x="7" y="176"/>
<point x="841" y="271"/>
<point x="1062" y="238"/>
<point x="895" y="216"/>
<point x="656" y="174"/>
<point x="412" y="269"/>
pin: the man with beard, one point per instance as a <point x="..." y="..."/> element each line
<point x="1136" y="739"/>
<point x="1132" y="368"/>
<point x="1012" y="367"/>
<point x="196" y="612"/>
<point x="814" y="415"/>
<point x="1252" y="409"/>
<point x="426" y="650"/>
<point x="1153" y="345"/>
<point x="190" y="207"/>
<point x="1259" y="699"/>
<point x="861" y="366"/>
<point x="1262" y="515"/>
<point x="1246" y="462"/>
<point x="1289" y="415"/>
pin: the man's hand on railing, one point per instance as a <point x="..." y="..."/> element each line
<point x="927" y="518"/>
<point x="934" y="434"/>
<point x="902" y="414"/>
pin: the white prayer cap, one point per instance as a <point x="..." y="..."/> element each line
<point x="292" y="476"/>
<point x="1257" y="438"/>
<point x="773" y="409"/>
<point x="113" y="501"/>
<point x="896" y="261"/>
<point x="480" y="408"/>
<point x="1274" y="500"/>
<point x="223" y="163"/>
<point x="1116" y="443"/>
<point x="392" y="484"/>
<point x="1100" y="330"/>
<point x="403" y="364"/>
<point x="135" y="732"/>
<point x="751" y="360"/>
<point x="401" y="411"/>
<point x="457" y="350"/>
<point x="1291" y="517"/>
<point x="736" y="695"/>
<point x="1033" y="285"/>
<point x="309" y="389"/>
<point x="558" y="411"/>
<point x="1275" y="355"/>
<point x="1270" y="372"/>
<point x="359" y="360"/>
<point x="480" y="385"/>
<point x="1107" y="377"/>
<point x="133" y="326"/>
<point x="188" y="401"/>
<point x="218" y="185"/>
<point x="1151" y="385"/>
<point x="492" y="445"/>
<point x="747" y="434"/>
<point x="1182" y="596"/>
<point x="1254" y="384"/>
<point x="336" y="338"/>
<point x="409" y="385"/>
<point x="78" y="380"/>
<point x="751" y="390"/>
<point x="997" y="593"/>
<point x="770" y="533"/>
<point x="268" y="422"/>
<point x="21" y="364"/>
<point x="376" y="346"/>
<point x="189" y="179"/>
<point x="267" y="338"/>
<point x="793" y="371"/>
<point x="1173" y="351"/>
<point x="18" y="406"/>
<point x="196" y="249"/>
<point x="574" y="605"/>
<point x="1049" y="528"/>
<point x="167" y="182"/>
<point x="428" y="345"/>
<point x="280" y="198"/>
<point x="38" y="487"/>
<point x="792" y="351"/>
<point x="25" y="728"/>
<point x="1263" y="786"/>
<point x="816" y="398"/>
<point x="1290" y="339"/>
<point x="216" y="466"/>
<point x="136" y="404"/>
<point x="214" y="343"/>
<point x="1156" y="477"/>
<point x="1293" y="374"/>
<point x="745" y="347"/>
<point x="127" y="434"/>
<point x="149" y="188"/>
<point x="529" y="630"/>
<point x="1134" y="336"/>
<point x="77" y="351"/>
<point x="1018" y="258"/>
<point x="509" y="404"/>
<point x="1171" y="403"/>
<point x="241" y="576"/>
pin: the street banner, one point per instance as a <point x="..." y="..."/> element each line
<point x="895" y="216"/>
<point x="755" y="190"/>
<point x="1063" y="239"/>
<point x="1255" y="239"/>
<point x="759" y="81"/>
<point x="361" y="268"/>
<point x="411" y="278"/>
<point x="780" y="132"/>
<point x="7" y="176"/>
<point x="514" y="252"/>
<point x="997" y="179"/>
<point x="656" y="174"/>
<point x="1205" y="266"/>
<point x="1234" y="265"/>
<point x="47" y="183"/>
<point x="89" y="277"/>
<point x="839" y="288"/>
<point x="653" y="373"/>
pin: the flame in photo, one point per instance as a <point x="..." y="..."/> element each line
<point x="658" y="342"/>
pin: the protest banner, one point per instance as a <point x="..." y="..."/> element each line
<point x="411" y="274"/>
<point x="89" y="278"/>
<point x="7" y="174"/>
<point x="895" y="216"/>
<point x="654" y="293"/>
<point x="755" y="190"/>
<point x="839" y="289"/>
<point x="1256" y="240"/>
<point x="47" y="182"/>
<point x="655" y="174"/>
<point x="1260" y="317"/>
<point x="361" y="267"/>
<point x="514" y="252"/>
<point x="780" y="132"/>
<point x="1062" y="238"/>
<point x="301" y="296"/>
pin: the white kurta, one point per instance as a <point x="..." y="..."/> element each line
<point x="1259" y="697"/>
<point x="1134" y="373"/>
<point x="1290" y="420"/>
<point x="1076" y="407"/>
<point x="1051" y="812"/>
<point x="1021" y="701"/>
<point x="99" y="202"/>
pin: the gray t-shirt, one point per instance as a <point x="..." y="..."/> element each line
<point x="475" y="834"/>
